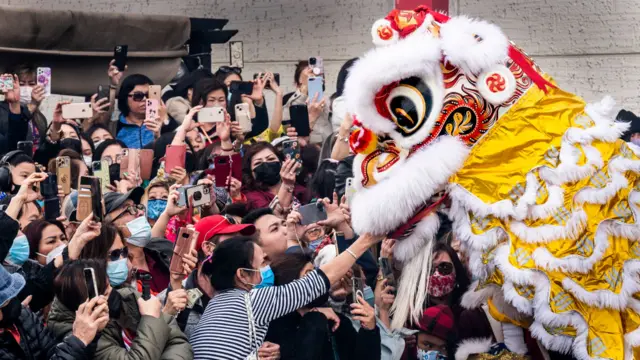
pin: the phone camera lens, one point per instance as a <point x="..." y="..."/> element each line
<point x="197" y="195"/>
<point x="312" y="61"/>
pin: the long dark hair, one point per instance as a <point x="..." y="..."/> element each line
<point x="129" y="83"/>
<point x="248" y="181"/>
<point x="70" y="287"/>
<point x="98" y="248"/>
<point x="286" y="268"/>
<point x="462" y="277"/>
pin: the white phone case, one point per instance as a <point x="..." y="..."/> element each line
<point x="77" y="111"/>
<point x="243" y="117"/>
<point x="211" y="115"/>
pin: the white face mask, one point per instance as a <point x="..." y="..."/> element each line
<point x="53" y="253"/>
<point x="25" y="94"/>
<point x="87" y="160"/>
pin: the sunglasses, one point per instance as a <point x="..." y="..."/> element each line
<point x="118" y="254"/>
<point x="139" y="96"/>
<point x="444" y="268"/>
<point x="131" y="210"/>
<point x="230" y="69"/>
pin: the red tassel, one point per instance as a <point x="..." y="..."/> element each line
<point x="528" y="69"/>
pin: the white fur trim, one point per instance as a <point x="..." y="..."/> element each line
<point x="574" y="226"/>
<point x="559" y="343"/>
<point x="412" y="184"/>
<point x="468" y="347"/>
<point x="555" y="200"/>
<point x="425" y="231"/>
<point x="412" y="289"/>
<point x="502" y="209"/>
<point x="377" y="40"/>
<point x="462" y="49"/>
<point x="632" y="338"/>
<point x="473" y="298"/>
<point x="462" y="229"/>
<point x="515" y="299"/>
<point x="412" y="56"/>
<point x="573" y="263"/>
<point x="501" y="96"/>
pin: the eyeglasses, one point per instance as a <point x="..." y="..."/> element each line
<point x="118" y="254"/>
<point x="230" y="69"/>
<point x="444" y="268"/>
<point x="314" y="233"/>
<point x="132" y="210"/>
<point x="139" y="96"/>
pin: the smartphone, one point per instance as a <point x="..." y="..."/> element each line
<point x="90" y="280"/>
<point x="49" y="186"/>
<point x="145" y="157"/>
<point x="387" y="271"/>
<point x="241" y="87"/>
<point x="6" y="83"/>
<point x="312" y="213"/>
<point x="185" y="242"/>
<point x="100" y="170"/>
<point x="317" y="65"/>
<point x="124" y="162"/>
<point x="96" y="200"/>
<point x="236" y="166"/>
<point x="357" y="287"/>
<point x="43" y="77"/>
<point x="26" y="147"/>
<point x="243" y="117"/>
<point x="145" y="279"/>
<point x="211" y="115"/>
<point x="85" y="200"/>
<point x="103" y="92"/>
<point x="221" y="170"/>
<point x="276" y="77"/>
<point x="315" y="87"/>
<point x="120" y="56"/>
<point x="77" y="111"/>
<point x="291" y="150"/>
<point x="134" y="161"/>
<point x="198" y="195"/>
<point x="51" y="208"/>
<point x="63" y="172"/>
<point x="182" y="199"/>
<point x="274" y="203"/>
<point x="155" y="92"/>
<point x="300" y="119"/>
<point x="175" y="157"/>
<point x="349" y="190"/>
<point x="152" y="108"/>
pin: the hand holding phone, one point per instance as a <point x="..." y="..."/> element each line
<point x="185" y="243"/>
<point x="357" y="287"/>
<point x="63" y="171"/>
<point x="315" y="89"/>
<point x="90" y="281"/>
<point x="175" y="157"/>
<point x="211" y="115"/>
<point x="243" y="117"/>
<point x="300" y="119"/>
<point x="77" y="111"/>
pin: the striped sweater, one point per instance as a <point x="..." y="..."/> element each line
<point x="223" y="331"/>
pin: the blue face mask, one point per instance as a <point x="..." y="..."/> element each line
<point x="430" y="355"/>
<point x="19" y="251"/>
<point x="140" y="232"/>
<point x="117" y="271"/>
<point x="369" y="296"/>
<point x="40" y="203"/>
<point x="268" y="279"/>
<point x="155" y="208"/>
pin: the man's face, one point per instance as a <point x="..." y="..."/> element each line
<point x="30" y="213"/>
<point x="122" y="215"/>
<point x="272" y="235"/>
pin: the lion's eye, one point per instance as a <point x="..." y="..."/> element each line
<point x="410" y="104"/>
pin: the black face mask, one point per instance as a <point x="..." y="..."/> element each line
<point x="115" y="304"/>
<point x="268" y="173"/>
<point x="114" y="173"/>
<point x="11" y="313"/>
<point x="319" y="302"/>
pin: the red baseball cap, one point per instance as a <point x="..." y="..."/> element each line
<point x="213" y="225"/>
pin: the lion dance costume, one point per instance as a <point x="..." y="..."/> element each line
<point x="541" y="191"/>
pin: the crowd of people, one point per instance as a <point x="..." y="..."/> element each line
<point x="257" y="284"/>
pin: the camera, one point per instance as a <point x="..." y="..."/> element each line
<point x="194" y="196"/>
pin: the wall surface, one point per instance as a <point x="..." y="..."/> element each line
<point x="591" y="47"/>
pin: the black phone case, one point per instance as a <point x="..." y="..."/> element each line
<point x="103" y="92"/>
<point x="121" y="57"/>
<point x="49" y="186"/>
<point x="300" y="119"/>
<point x="96" y="200"/>
<point x="51" y="208"/>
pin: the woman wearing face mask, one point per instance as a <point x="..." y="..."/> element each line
<point x="315" y="331"/>
<point x="265" y="176"/>
<point x="23" y="334"/>
<point x="155" y="199"/>
<point x="236" y="320"/>
<point x="47" y="240"/>
<point x="98" y="133"/>
<point x="87" y="149"/>
<point x="449" y="279"/>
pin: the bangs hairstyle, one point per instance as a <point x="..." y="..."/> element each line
<point x="34" y="230"/>
<point x="205" y="87"/>
<point x="98" y="248"/>
<point x="128" y="84"/>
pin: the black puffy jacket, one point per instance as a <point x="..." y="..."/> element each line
<point x="38" y="343"/>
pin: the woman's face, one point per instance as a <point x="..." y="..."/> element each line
<point x="232" y="77"/>
<point x="22" y="171"/>
<point x="68" y="132"/>
<point x="313" y="232"/>
<point x="258" y="261"/>
<point x="138" y="107"/>
<point x="303" y="79"/>
<point x="158" y="193"/>
<point x="443" y="257"/>
<point x="305" y="270"/>
<point x="428" y="342"/>
<point x="51" y="238"/>
<point x="119" y="245"/>
<point x="216" y="98"/>
<point x="112" y="152"/>
<point x="195" y="139"/>
<point x="30" y="213"/>
<point x="262" y="156"/>
<point x="86" y="148"/>
<point x="100" y="135"/>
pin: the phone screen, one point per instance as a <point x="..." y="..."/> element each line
<point x="312" y="213"/>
